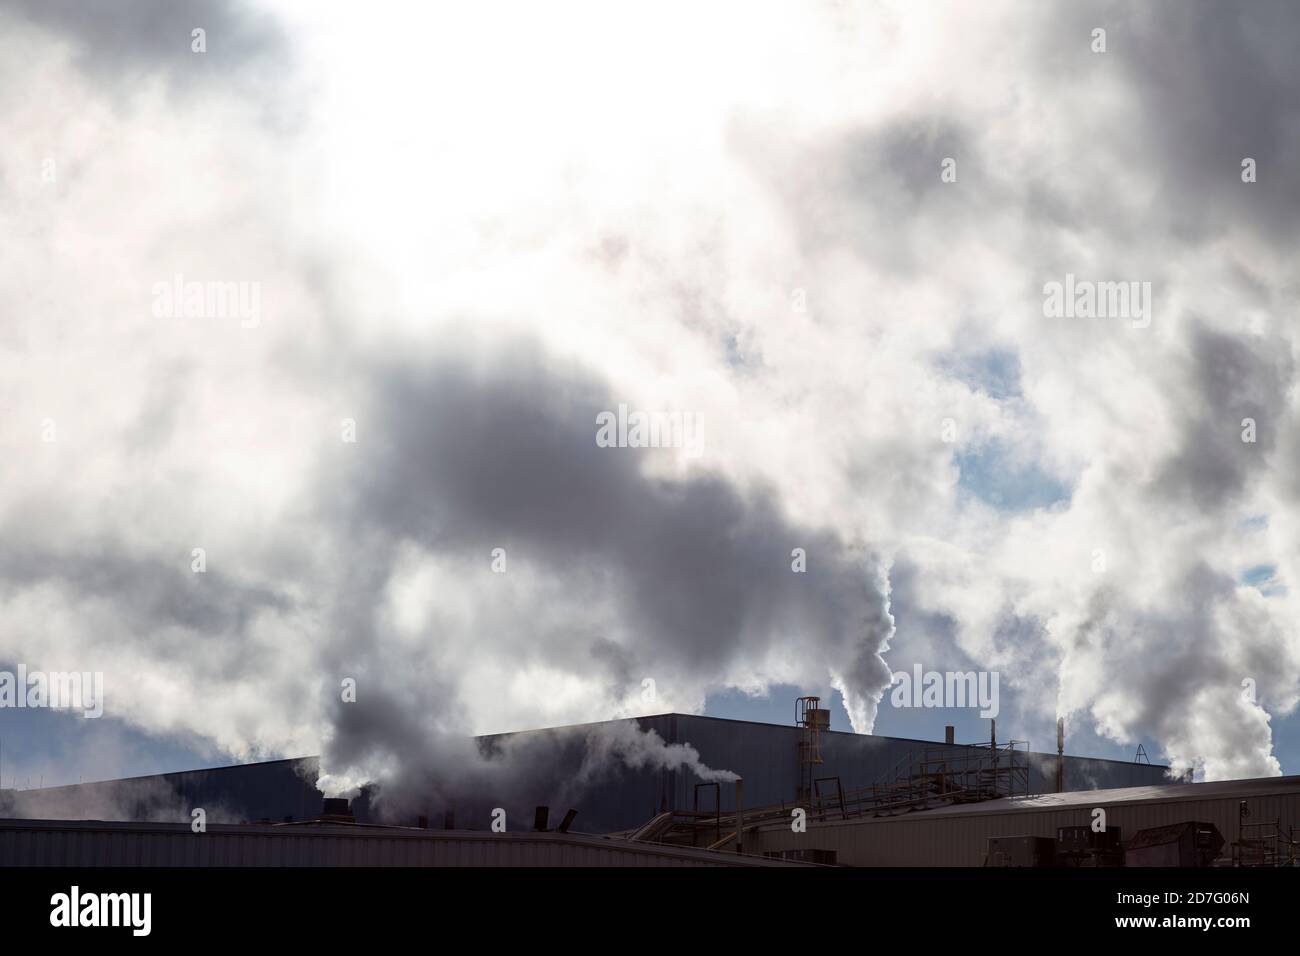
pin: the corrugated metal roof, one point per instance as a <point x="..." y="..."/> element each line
<point x="100" y="843"/>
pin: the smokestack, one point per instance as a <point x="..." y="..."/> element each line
<point x="950" y="734"/>
<point x="740" y="811"/>
<point x="1060" y="754"/>
<point x="540" y="817"/>
<point x="422" y="822"/>
<point x="567" y="821"/>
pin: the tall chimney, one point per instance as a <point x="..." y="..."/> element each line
<point x="1060" y="754"/>
<point x="950" y="734"/>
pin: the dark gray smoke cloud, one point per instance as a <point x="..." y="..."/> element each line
<point x="701" y="570"/>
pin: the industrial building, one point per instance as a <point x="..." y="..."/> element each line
<point x="779" y="764"/>
<point x="801" y="795"/>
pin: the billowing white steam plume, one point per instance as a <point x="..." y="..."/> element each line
<point x="624" y="743"/>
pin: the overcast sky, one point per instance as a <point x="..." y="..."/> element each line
<point x="462" y="233"/>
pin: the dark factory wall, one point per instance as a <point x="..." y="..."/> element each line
<point x="617" y="798"/>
